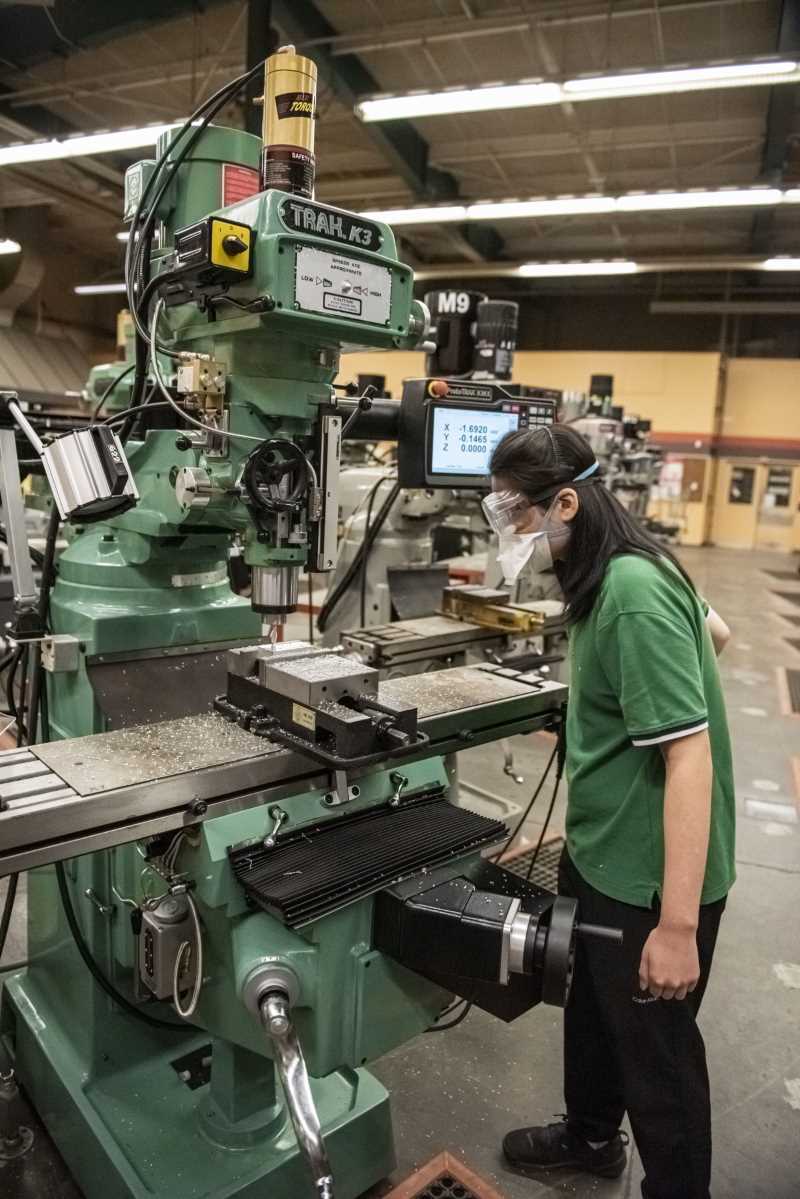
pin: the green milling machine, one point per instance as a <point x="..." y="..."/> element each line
<point x="232" y="840"/>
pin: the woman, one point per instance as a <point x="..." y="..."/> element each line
<point x="650" y="818"/>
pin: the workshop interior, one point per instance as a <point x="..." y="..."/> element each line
<point x="282" y="761"/>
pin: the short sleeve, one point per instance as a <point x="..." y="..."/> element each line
<point x="653" y="665"/>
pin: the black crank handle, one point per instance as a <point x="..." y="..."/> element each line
<point x="602" y="931"/>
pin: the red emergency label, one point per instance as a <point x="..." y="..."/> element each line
<point x="238" y="183"/>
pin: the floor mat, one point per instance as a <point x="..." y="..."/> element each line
<point x="792" y="597"/>
<point x="545" y="870"/>
<point x="444" y="1177"/>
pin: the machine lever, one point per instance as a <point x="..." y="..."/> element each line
<point x="278" y="815"/>
<point x="276" y="1018"/>
<point x="602" y="931"/>
<point x="508" y="764"/>
<point x="399" y="782"/>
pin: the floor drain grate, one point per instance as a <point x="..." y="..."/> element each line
<point x="792" y="597"/>
<point x="545" y="871"/>
<point x="444" y="1178"/>
<point x="793" y="685"/>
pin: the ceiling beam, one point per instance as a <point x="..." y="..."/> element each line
<point x="401" y="145"/>
<point x="407" y="151"/>
<point x="781" y="113"/>
<point x="29" y="37"/>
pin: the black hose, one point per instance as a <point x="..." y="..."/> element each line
<point x="561" y="747"/>
<point x="462" y="1015"/>
<point x="8" y="908"/>
<point x="501" y="853"/>
<point x="101" y="403"/>
<point x="48" y="577"/>
<point x="344" y="584"/>
<point x="94" y="969"/>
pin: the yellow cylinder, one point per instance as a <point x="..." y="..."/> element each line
<point x="290" y="99"/>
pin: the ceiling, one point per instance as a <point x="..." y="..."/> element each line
<point x="88" y="65"/>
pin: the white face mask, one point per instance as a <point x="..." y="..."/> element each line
<point x="516" y="549"/>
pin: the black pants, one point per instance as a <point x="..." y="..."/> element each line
<point x="626" y="1051"/>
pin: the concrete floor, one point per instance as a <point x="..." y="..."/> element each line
<point x="463" y="1090"/>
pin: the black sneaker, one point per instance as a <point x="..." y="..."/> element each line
<point x="555" y="1147"/>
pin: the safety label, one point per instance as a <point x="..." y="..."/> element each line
<point x="332" y="283"/>
<point x="304" y="717"/>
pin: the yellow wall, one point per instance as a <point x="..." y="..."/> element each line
<point x="676" y="391"/>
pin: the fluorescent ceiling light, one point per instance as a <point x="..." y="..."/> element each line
<point x="535" y="93"/>
<point x="785" y="262"/>
<point x="123" y="236"/>
<point x="733" y="197"/>
<point x="551" y="270"/>
<point x="465" y="99"/>
<point x="98" y="289"/>
<point x="420" y="216"/>
<point x="560" y="206"/>
<point x="668" y="201"/>
<point x="7" y="246"/>
<point x="82" y="144"/>
<point x="681" y="79"/>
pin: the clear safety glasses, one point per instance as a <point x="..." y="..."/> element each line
<point x="503" y="509"/>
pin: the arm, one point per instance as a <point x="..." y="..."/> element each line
<point x="719" y="630"/>
<point x="670" y="967"/>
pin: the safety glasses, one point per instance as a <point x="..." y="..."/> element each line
<point x="503" y="509"/>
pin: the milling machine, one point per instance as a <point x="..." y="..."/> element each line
<point x="239" y="846"/>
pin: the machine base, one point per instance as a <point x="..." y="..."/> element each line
<point x="135" y="1131"/>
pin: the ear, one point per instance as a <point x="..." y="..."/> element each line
<point x="567" y="504"/>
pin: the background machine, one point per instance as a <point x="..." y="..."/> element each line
<point x="243" y="865"/>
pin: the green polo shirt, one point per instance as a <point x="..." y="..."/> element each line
<point x="642" y="672"/>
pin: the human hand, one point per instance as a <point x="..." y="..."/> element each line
<point x="670" y="965"/>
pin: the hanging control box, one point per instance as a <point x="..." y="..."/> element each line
<point x="459" y="422"/>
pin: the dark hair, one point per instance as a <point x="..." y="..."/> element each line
<point x="539" y="463"/>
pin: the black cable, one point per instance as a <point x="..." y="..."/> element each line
<point x="38" y="685"/>
<point x="122" y="375"/>
<point x="561" y="750"/>
<point x="344" y="584"/>
<point x="310" y="607"/>
<point x="94" y="969"/>
<point x="501" y="853"/>
<point x="365" y="557"/>
<point x="8" y="908"/>
<point x="10" y="696"/>
<point x="453" y="1023"/>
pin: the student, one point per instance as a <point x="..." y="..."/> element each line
<point x="650" y="818"/>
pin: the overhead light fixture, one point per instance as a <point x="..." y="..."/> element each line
<point x="464" y="99"/>
<point x="681" y="79"/>
<point x="9" y="246"/>
<point x="674" y="201"/>
<point x="667" y="201"/>
<point x="82" y="144"/>
<point x="553" y="270"/>
<point x="98" y="289"/>
<point x="420" y="216"/>
<point x="560" y="206"/>
<point x="536" y="93"/>
<point x="784" y="262"/>
<point x="124" y="235"/>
